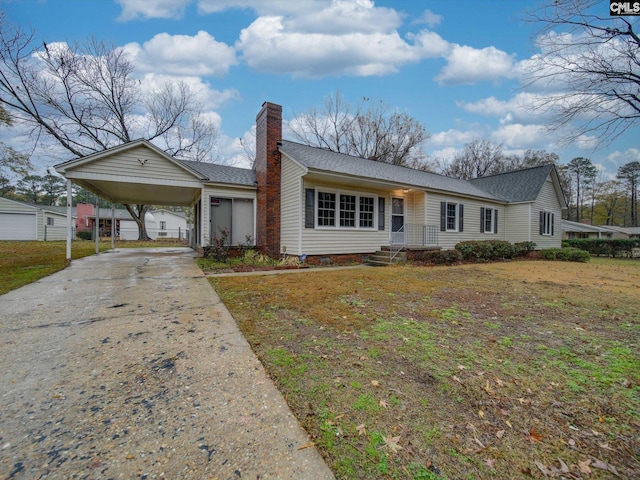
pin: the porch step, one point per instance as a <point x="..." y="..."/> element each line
<point x="383" y="257"/>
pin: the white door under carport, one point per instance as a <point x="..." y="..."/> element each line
<point x="18" y="226"/>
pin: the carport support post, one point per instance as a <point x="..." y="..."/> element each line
<point x="113" y="227"/>
<point x="97" y="224"/>
<point x="69" y="219"/>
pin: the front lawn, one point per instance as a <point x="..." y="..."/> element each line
<point x="25" y="262"/>
<point x="504" y="370"/>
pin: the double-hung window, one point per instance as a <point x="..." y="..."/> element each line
<point x="326" y="209"/>
<point x="367" y="211"/>
<point x="546" y="223"/>
<point x="451" y="217"/>
<point x="347" y="210"/>
<point x="488" y="220"/>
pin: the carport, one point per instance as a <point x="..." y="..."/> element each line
<point x="139" y="173"/>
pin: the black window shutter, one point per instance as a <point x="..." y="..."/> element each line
<point x="461" y="214"/>
<point x="381" y="213"/>
<point x="309" y="207"/>
<point x="552" y="224"/>
<point x="482" y="220"/>
<point x="541" y="223"/>
<point x="443" y="216"/>
<point x="495" y="221"/>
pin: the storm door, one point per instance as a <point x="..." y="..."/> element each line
<point x="397" y="221"/>
<point x="220" y="218"/>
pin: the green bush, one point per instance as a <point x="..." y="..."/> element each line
<point x="486" y="250"/>
<point x="437" y="257"/>
<point x="84" y="235"/>
<point x="565" y="254"/>
<point x="619" y="247"/>
<point x="524" y="248"/>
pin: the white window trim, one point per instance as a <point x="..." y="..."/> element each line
<point x="492" y="230"/>
<point x="456" y="218"/>
<point x="337" y="226"/>
<point x="547" y="225"/>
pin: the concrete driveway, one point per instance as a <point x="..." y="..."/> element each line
<point x="127" y="365"/>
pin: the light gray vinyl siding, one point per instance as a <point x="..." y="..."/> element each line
<point x="546" y="201"/>
<point x="127" y="164"/>
<point x="325" y="241"/>
<point x="291" y="207"/>
<point x="471" y="220"/>
<point x="518" y="222"/>
<point x="50" y="233"/>
<point x="9" y="206"/>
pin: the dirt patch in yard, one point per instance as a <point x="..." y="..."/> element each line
<point x="509" y="370"/>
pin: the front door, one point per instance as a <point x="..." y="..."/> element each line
<point x="220" y="218"/>
<point x="397" y="221"/>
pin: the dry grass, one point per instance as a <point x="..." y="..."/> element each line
<point x="500" y="371"/>
<point x="22" y="263"/>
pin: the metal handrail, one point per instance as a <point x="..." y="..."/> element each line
<point x="396" y="247"/>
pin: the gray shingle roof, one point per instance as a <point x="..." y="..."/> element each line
<point x="320" y="159"/>
<point x="569" y="226"/>
<point x="222" y="173"/>
<point x="518" y="186"/>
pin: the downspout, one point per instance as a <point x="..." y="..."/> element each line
<point x="529" y="229"/>
<point x="69" y="219"/>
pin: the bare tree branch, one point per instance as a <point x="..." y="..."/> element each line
<point x="588" y="70"/>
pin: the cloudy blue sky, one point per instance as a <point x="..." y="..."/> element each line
<point x="454" y="66"/>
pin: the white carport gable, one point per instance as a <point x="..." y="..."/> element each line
<point x="136" y="173"/>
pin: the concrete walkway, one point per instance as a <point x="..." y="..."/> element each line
<point x="127" y="365"/>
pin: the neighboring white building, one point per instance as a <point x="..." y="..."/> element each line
<point x="160" y="224"/>
<point x="26" y="221"/>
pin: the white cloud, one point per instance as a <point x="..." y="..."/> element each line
<point x="268" y="46"/>
<point x="134" y="9"/>
<point x="468" y="65"/>
<point x="200" y="54"/>
<point x="621" y="158"/>
<point x="453" y="137"/>
<point x="428" y="18"/>
<point x="521" y="136"/>
<point x="208" y="97"/>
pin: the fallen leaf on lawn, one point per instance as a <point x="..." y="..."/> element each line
<point x="563" y="467"/>
<point x="456" y="379"/>
<point x="490" y="462"/>
<point x="487" y="388"/>
<point x="533" y="435"/>
<point x="605" y="446"/>
<point x="604" y="466"/>
<point x="584" y="466"/>
<point x="500" y="433"/>
<point x="461" y="367"/>
<point x="508" y="423"/>
<point x="383" y="403"/>
<point x="392" y="443"/>
<point x="361" y="429"/>
<point x="542" y="468"/>
<point x="375" y="383"/>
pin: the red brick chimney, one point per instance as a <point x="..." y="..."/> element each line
<point x="267" y="165"/>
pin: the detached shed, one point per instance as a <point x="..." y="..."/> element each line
<point x="26" y="221"/>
